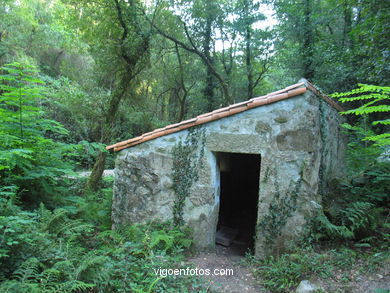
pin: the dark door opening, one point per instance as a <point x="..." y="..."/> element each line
<point x="239" y="191"/>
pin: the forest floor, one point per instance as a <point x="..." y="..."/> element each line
<point x="242" y="280"/>
<point x="354" y="282"/>
<point x="350" y="280"/>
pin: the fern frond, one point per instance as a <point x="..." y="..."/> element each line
<point x="89" y="262"/>
<point x="112" y="235"/>
<point x="380" y="139"/>
<point x="378" y="97"/>
<point x="332" y="230"/>
<point x="383" y="122"/>
<point x="357" y="215"/>
<point x="28" y="270"/>
<point x="368" y="110"/>
<point x="53" y="221"/>
<point x="162" y="240"/>
<point x="72" y="286"/>
<point x="14" y="286"/>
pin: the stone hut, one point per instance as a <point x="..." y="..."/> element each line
<point x="254" y="172"/>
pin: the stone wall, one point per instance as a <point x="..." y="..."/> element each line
<point x="299" y="141"/>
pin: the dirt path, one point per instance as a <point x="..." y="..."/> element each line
<point x="242" y="280"/>
<point x="108" y="172"/>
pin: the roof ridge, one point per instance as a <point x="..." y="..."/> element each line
<point x="290" y="91"/>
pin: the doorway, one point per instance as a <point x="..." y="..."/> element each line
<point x="239" y="192"/>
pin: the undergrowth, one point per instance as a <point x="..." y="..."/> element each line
<point x="54" y="236"/>
<point x="338" y="264"/>
<point x="67" y="250"/>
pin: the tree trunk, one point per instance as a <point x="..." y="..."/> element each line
<point x="248" y="51"/>
<point x="97" y="171"/>
<point x="131" y="62"/>
<point x="183" y="99"/>
<point x="116" y="98"/>
<point x="347" y="11"/>
<point x="208" y="90"/>
<point x="308" y="41"/>
<point x="193" y="49"/>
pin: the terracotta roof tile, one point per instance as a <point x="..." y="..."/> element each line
<point x="220" y="110"/>
<point x="235" y="110"/>
<point x="205" y="119"/>
<point x="288" y="92"/>
<point x="221" y="114"/>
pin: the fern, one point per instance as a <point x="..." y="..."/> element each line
<point x="356" y="216"/>
<point x="162" y="240"/>
<point x="325" y="228"/>
<point x="58" y="223"/>
<point x="90" y="263"/>
<point x="28" y="158"/>
<point x="14" y="286"/>
<point x="49" y="277"/>
<point x="376" y="100"/>
<point x="78" y="286"/>
<point x="113" y="236"/>
<point x="29" y="270"/>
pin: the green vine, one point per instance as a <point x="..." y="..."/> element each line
<point x="266" y="174"/>
<point x="280" y="209"/>
<point x="324" y="136"/>
<point x="187" y="159"/>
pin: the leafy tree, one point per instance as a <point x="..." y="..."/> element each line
<point x="127" y="47"/>
<point x="335" y="43"/>
<point x="256" y="43"/>
<point x="30" y="158"/>
<point x="196" y="20"/>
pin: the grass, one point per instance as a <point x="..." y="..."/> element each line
<point x="334" y="264"/>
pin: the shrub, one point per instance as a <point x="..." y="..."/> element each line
<point x="30" y="158"/>
<point x="359" y="208"/>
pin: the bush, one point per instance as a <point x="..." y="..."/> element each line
<point x="359" y="208"/>
<point x="48" y="251"/>
<point x="30" y="158"/>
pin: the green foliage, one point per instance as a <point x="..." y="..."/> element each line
<point x="340" y="42"/>
<point x="360" y="154"/>
<point x="187" y="159"/>
<point x="358" y="209"/>
<point x="63" y="249"/>
<point x="68" y="247"/>
<point x="375" y="99"/>
<point x="51" y="251"/>
<point x="354" y="218"/>
<point x="280" y="210"/>
<point x="283" y="274"/>
<point x="92" y="207"/>
<point x="85" y="153"/>
<point x="29" y="158"/>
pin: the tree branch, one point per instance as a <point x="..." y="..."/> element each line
<point x="193" y="49"/>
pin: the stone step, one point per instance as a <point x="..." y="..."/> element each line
<point x="226" y="235"/>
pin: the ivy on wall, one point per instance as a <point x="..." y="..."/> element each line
<point x="187" y="159"/>
<point x="280" y="209"/>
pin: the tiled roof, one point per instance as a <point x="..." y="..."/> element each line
<point x="288" y="92"/>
